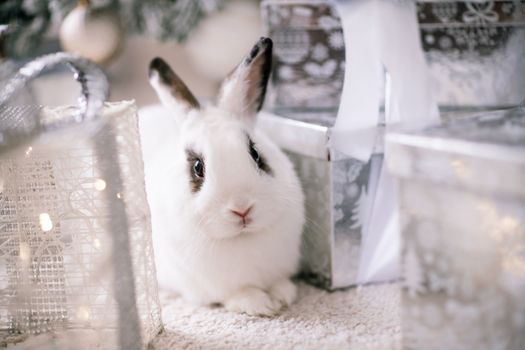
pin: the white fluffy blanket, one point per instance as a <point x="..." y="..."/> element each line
<point x="358" y="318"/>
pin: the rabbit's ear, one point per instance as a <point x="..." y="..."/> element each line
<point x="242" y="92"/>
<point x="170" y="88"/>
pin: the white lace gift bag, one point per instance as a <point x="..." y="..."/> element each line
<point x="75" y="235"/>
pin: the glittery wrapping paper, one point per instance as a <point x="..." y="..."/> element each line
<point x="308" y="54"/>
<point x="339" y="194"/>
<point x="474" y="50"/>
<point x="462" y="199"/>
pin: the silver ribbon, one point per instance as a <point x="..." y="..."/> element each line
<point x="16" y="128"/>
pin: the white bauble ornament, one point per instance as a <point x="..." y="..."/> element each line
<point x="218" y="41"/>
<point x="95" y="35"/>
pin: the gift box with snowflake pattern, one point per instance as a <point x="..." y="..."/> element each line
<point x="339" y="194"/>
<point x="462" y="200"/>
<point x="475" y="51"/>
<point x="308" y="65"/>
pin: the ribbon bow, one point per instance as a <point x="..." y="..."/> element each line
<point x="480" y="13"/>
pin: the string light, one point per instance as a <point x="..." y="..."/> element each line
<point x="25" y="251"/>
<point x="29" y="150"/>
<point x="83" y="313"/>
<point x="509" y="224"/>
<point x="461" y="169"/>
<point x="96" y="243"/>
<point x="46" y="224"/>
<point x="100" y="185"/>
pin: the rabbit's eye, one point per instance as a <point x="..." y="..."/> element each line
<point x="255" y="155"/>
<point x="258" y="158"/>
<point x="198" y="168"/>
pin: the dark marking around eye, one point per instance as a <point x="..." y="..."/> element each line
<point x="258" y="158"/>
<point x="196" y="168"/>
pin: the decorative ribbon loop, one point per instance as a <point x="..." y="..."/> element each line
<point x="94" y="91"/>
<point x="480" y="13"/>
<point x="379" y="36"/>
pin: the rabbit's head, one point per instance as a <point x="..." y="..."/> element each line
<point x="230" y="179"/>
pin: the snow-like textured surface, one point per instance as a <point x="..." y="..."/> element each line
<point x="358" y="318"/>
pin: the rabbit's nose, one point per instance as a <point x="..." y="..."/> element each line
<point x="242" y="213"/>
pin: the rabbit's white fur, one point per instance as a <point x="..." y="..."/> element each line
<point x="201" y="250"/>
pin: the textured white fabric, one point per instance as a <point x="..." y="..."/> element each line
<point x="363" y="318"/>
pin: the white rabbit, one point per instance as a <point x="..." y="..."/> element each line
<point x="227" y="206"/>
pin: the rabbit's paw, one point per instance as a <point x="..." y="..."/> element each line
<point x="284" y="291"/>
<point x="253" y="301"/>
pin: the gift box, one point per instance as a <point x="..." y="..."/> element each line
<point x="76" y="256"/>
<point x="308" y="62"/>
<point x="475" y="51"/>
<point x="462" y="200"/>
<point x="339" y="193"/>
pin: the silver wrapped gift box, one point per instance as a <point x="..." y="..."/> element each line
<point x="339" y="194"/>
<point x="309" y="54"/>
<point x="474" y="50"/>
<point x="462" y="198"/>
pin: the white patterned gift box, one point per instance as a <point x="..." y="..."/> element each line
<point x="475" y="51"/>
<point x="339" y="193"/>
<point x="462" y="198"/>
<point x="76" y="255"/>
<point x="308" y="62"/>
